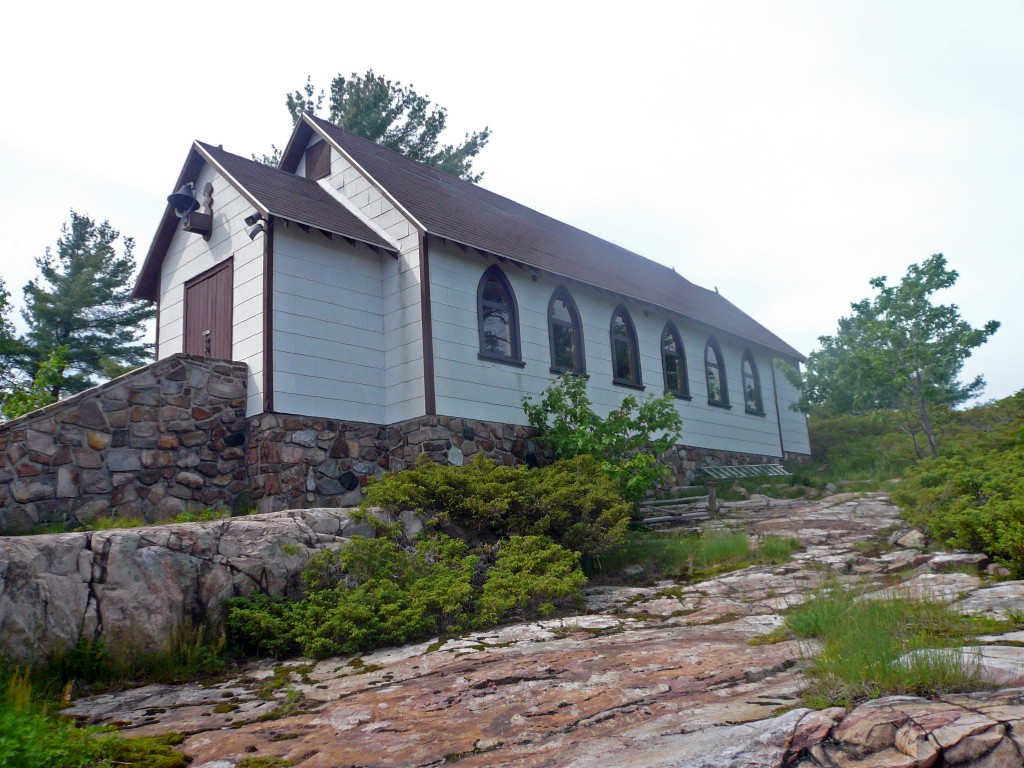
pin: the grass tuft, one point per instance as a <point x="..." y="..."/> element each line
<point x="873" y="648"/>
<point x="691" y="555"/>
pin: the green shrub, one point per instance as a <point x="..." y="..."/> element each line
<point x="373" y="593"/>
<point x="627" y="445"/>
<point x="531" y="577"/>
<point x="866" y="446"/>
<point x="973" y="501"/>
<point x="571" y="501"/>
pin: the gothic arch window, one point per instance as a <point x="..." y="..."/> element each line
<point x="565" y="334"/>
<point x="498" y="318"/>
<point x="714" y="372"/>
<point x="673" y="362"/>
<point x="625" y="350"/>
<point x="752" y="400"/>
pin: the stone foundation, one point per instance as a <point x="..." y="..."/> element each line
<point x="173" y="436"/>
<point x="148" y="444"/>
<point x="297" y="461"/>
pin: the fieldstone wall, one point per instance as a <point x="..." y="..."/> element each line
<point x="687" y="462"/>
<point x="297" y="461"/>
<point x="173" y="436"/>
<point x="150" y="443"/>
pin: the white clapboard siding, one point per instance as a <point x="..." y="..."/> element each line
<point x="190" y="255"/>
<point x="402" y="385"/>
<point x="328" y="327"/>
<point x="473" y="388"/>
<point x="794" y="424"/>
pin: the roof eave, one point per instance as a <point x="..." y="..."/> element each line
<point x="783" y="348"/>
<point x="346" y="235"/>
<point x="296" y="145"/>
<point x="147" y="284"/>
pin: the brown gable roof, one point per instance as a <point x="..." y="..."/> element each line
<point x="274" y="191"/>
<point x="466" y="213"/>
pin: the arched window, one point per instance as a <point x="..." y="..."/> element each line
<point x="625" y="350"/>
<point x="497" y="318"/>
<point x="673" y="362"/>
<point x="751" y="385"/>
<point x="565" y="334"/>
<point x="714" y="370"/>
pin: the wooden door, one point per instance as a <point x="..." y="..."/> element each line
<point x="208" y="300"/>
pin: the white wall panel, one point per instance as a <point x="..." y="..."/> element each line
<point x="400" y="306"/>
<point x="794" y="424"/>
<point x="190" y="255"/>
<point x="328" y="327"/>
<point x="482" y="389"/>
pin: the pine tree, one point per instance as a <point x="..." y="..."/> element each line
<point x="392" y="115"/>
<point x="82" y="302"/>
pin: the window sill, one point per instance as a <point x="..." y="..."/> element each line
<point x="629" y="384"/>
<point x="500" y="359"/>
<point x="677" y="395"/>
<point x="556" y="370"/>
<point x="756" y="413"/>
<point x="719" y="404"/>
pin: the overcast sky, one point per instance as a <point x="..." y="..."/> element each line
<point x="785" y="152"/>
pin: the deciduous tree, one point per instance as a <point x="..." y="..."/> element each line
<point x="394" y="116"/>
<point x="898" y="351"/>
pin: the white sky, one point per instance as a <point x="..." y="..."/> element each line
<point x="785" y="152"/>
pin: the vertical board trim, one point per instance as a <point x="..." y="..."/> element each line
<point x="268" y="317"/>
<point x="778" y="416"/>
<point x="429" y="397"/>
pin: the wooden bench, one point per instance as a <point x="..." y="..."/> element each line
<point x="714" y="475"/>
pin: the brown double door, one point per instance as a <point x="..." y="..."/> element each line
<point x="208" y="300"/>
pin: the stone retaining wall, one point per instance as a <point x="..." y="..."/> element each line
<point x="150" y="443"/>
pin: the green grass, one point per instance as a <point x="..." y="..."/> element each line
<point x="862" y="642"/>
<point x="777" y="549"/>
<point x="111" y="523"/>
<point x="33" y="736"/>
<point x="115" y="522"/>
<point x="690" y="555"/>
<point x="200" y="515"/>
<point x="190" y="651"/>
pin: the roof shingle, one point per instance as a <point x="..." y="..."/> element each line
<point x="469" y="214"/>
<point x="295" y="198"/>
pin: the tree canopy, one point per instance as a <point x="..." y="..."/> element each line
<point x="11" y="347"/>
<point x="898" y="351"/>
<point x="392" y="115"/>
<point x="82" y="302"/>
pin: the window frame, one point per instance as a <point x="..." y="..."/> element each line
<point x="683" y="392"/>
<point x="719" y="365"/>
<point x="561" y="293"/>
<point x="495" y="273"/>
<point x="631" y="339"/>
<point x="755" y="377"/>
